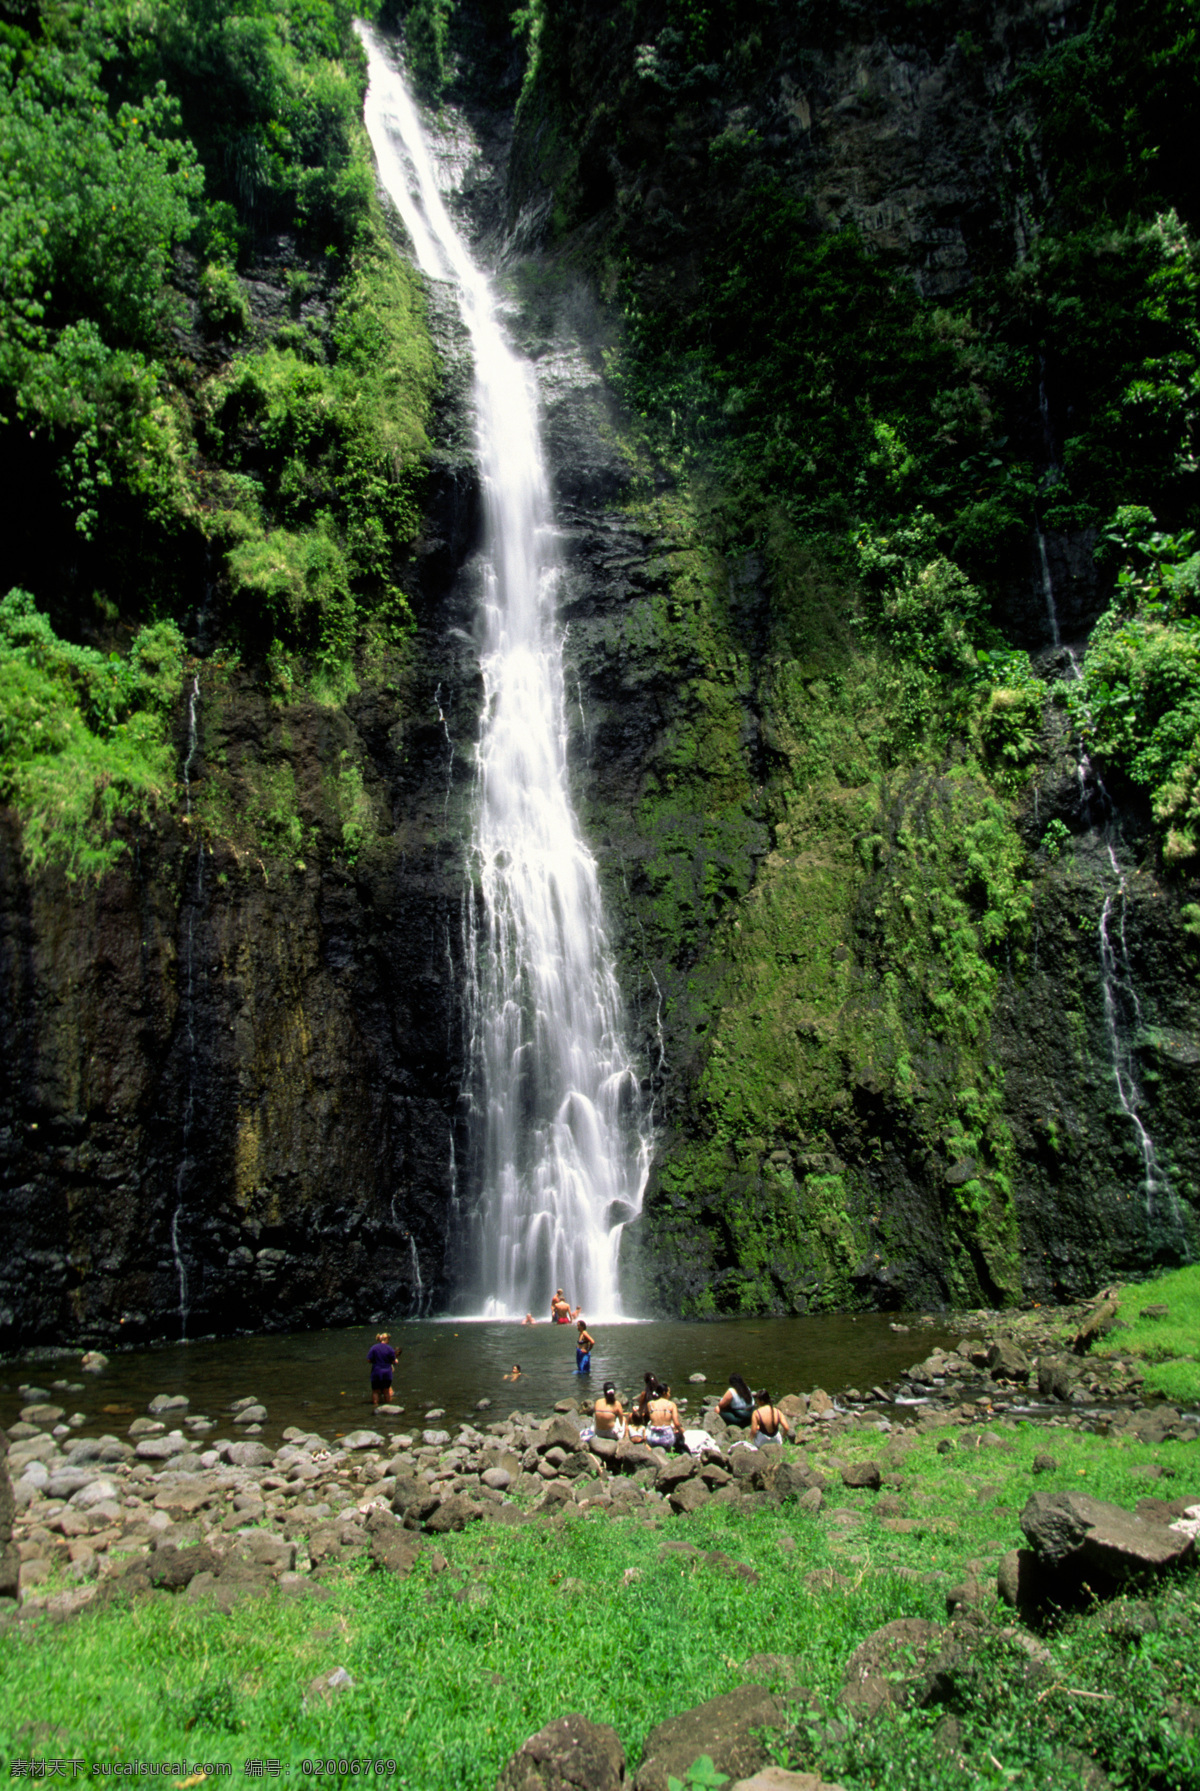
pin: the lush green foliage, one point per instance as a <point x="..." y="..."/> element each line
<point x="126" y="134"/>
<point x="1170" y="1346"/>
<point x="84" y="739"/>
<point x="453" y="1667"/>
<point x="1137" y="700"/>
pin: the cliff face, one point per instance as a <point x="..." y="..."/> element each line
<point x="231" y="1070"/>
<point x="914" y="1028"/>
<point x="918" y="1020"/>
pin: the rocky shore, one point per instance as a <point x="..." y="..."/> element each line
<point x="98" y="1515"/>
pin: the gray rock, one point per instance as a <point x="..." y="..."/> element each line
<point x="41" y="1414"/>
<point x="689" y="1495"/>
<point x="1155" y="1312"/>
<point x="363" y="1439"/>
<point x="435" y="1439"/>
<point x="727" y="1729"/>
<point x="454" y="1513"/>
<point x="1100" y="1542"/>
<point x="562" y="1432"/>
<point x="1056" y="1377"/>
<point x="246" y="1455"/>
<point x="1008" y="1363"/>
<point x="863" y="1473"/>
<point x="162" y="1403"/>
<point x="157" y="1448"/>
<point x="889" y="1666"/>
<point x="99" y="1491"/>
<point x="250" y="1414"/>
<point x="569" y="1754"/>
<point x="499" y="1479"/>
<point x="146" y="1427"/>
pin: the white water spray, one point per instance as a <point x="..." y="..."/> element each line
<point x="563" y="1161"/>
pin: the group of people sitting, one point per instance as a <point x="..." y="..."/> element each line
<point x="654" y="1416"/>
<point x="752" y="1411"/>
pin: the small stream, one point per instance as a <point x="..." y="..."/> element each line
<point x="319" y="1380"/>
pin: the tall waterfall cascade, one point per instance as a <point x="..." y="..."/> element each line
<point x="562" y="1143"/>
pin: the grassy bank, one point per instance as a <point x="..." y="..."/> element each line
<point x="1168" y="1343"/>
<point x="632" y="1620"/>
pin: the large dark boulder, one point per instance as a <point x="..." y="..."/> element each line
<point x="1087" y="1547"/>
<point x="728" y="1729"/>
<point x="569" y="1754"/>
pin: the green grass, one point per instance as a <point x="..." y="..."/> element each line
<point x="1170" y="1347"/>
<point x="454" y="1669"/>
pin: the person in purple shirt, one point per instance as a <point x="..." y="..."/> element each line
<point x="383" y="1359"/>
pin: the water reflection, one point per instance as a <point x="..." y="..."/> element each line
<point x="319" y="1379"/>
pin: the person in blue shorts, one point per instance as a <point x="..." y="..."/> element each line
<point x="584" y="1345"/>
<point x="383" y="1359"/>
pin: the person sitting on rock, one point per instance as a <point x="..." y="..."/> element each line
<point x="736" y="1404"/>
<point x="609" y="1413"/>
<point x="383" y="1359"/>
<point x="767" y="1423"/>
<point x="665" y="1427"/>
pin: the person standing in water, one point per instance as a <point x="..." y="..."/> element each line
<point x="383" y="1359"/>
<point x="584" y="1345"/>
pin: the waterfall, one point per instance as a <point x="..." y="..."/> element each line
<point x="1048" y="587"/>
<point x="563" y="1162"/>
<point x="189" y="1021"/>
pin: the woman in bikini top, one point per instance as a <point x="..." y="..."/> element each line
<point x="766" y="1421"/>
<point x="608" y="1412"/>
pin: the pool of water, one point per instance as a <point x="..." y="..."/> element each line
<point x="320" y="1380"/>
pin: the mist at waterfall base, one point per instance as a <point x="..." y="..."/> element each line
<point x="319" y="1379"/>
<point x="560" y="1157"/>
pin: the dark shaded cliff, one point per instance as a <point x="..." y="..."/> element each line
<point x="835" y="422"/>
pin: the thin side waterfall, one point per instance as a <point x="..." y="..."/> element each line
<point x="563" y="1158"/>
<point x="189" y="1022"/>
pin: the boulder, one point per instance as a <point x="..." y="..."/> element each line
<point x="168" y="1402"/>
<point x="42" y="1414"/>
<point x="688" y="1496"/>
<point x="863" y="1473"/>
<point x="569" y="1754"/>
<point x="93" y="1361"/>
<point x="1155" y="1312"/>
<point x="454" y="1513"/>
<point x="560" y="1433"/>
<point x="794" y="1407"/>
<point x="1008" y="1363"/>
<point x="97" y="1492"/>
<point x="498" y="1479"/>
<point x="889" y="1666"/>
<point x="632" y="1456"/>
<point x="9" y="1559"/>
<point x="251" y="1414"/>
<point x="1056" y="1376"/>
<point x="436" y="1439"/>
<point x="394" y="1549"/>
<point x="246" y="1455"/>
<point x="674" y="1473"/>
<point x="363" y="1439"/>
<point x="1085" y="1543"/>
<point x="728" y="1729"/>
<point x="578" y="1464"/>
